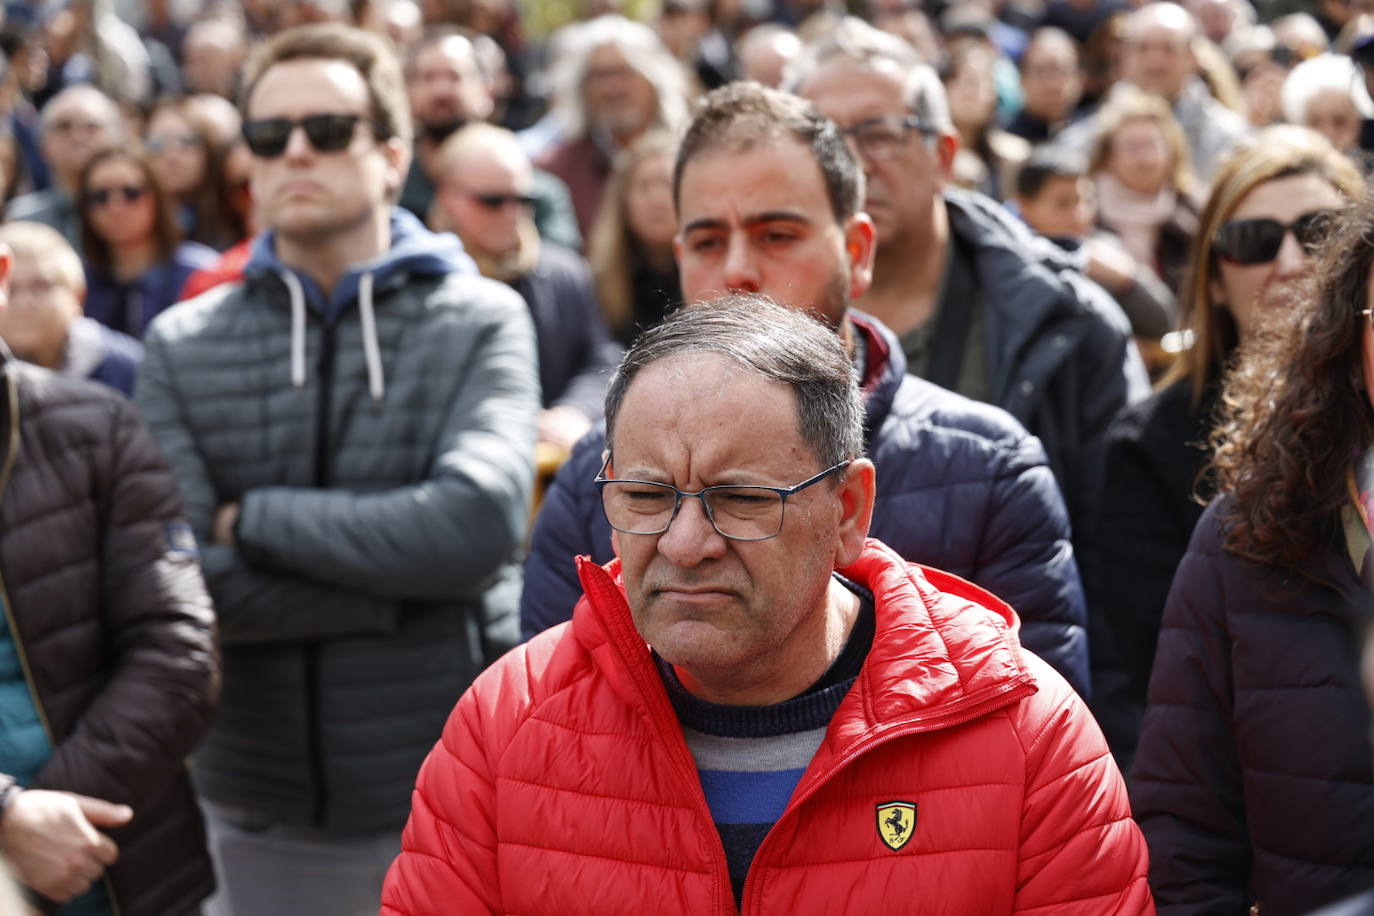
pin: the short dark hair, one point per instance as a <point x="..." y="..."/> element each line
<point x="776" y="343"/>
<point x="368" y="53"/>
<point x="739" y="115"/>
<point x="1047" y="163"/>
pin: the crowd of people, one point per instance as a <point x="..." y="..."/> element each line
<point x="693" y="457"/>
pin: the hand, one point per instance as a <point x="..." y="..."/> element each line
<point x="563" y="426"/>
<point x="51" y="840"/>
<point x="222" y="530"/>
<point x="1110" y="265"/>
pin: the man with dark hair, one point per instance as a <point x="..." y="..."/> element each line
<point x="755" y="706"/>
<point x="1051" y="85"/>
<point x="768" y="198"/>
<point x="979" y="308"/>
<point x="353" y="428"/>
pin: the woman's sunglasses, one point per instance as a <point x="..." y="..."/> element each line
<point x="101" y="197"/>
<point x="328" y="133"/>
<point x="1258" y="241"/>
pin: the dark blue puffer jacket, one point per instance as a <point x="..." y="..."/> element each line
<point x="961" y="487"/>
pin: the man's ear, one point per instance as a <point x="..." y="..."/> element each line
<point x="398" y="162"/>
<point x="946" y="148"/>
<point x="860" y="243"/>
<point x="856" y="493"/>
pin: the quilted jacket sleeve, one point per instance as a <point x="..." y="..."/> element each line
<point x="443" y="537"/>
<point x="253" y="605"/>
<point x="448" y="862"/>
<point x="1027" y="560"/>
<point x="1186" y="784"/>
<point x="164" y="680"/>
<point x="570" y="524"/>
<point x="1080" y="852"/>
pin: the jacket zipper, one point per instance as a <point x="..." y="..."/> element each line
<point x="1005" y="696"/>
<point x="323" y="475"/>
<point x="6" y="469"/>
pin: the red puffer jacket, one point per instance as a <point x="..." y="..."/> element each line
<point x="563" y="785"/>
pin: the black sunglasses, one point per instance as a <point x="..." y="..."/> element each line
<point x="497" y="200"/>
<point x="328" y="133"/>
<point x="100" y="197"/>
<point x="1257" y="241"/>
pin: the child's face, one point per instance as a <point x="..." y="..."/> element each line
<point x="1064" y="208"/>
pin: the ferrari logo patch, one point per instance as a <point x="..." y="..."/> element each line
<point x="896" y="823"/>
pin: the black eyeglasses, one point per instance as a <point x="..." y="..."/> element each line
<point x="101" y="197"/>
<point x="497" y="200"/>
<point x="328" y="133"/>
<point x="1258" y="241"/>
<point x="884" y="137"/>
<point x="741" y="513"/>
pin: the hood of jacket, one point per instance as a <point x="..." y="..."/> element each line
<point x="414" y="251"/>
<point x="944" y="650"/>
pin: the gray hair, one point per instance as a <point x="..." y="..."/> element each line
<point x="857" y="41"/>
<point x="643" y="51"/>
<point x="779" y="345"/>
<point x="1324" y="73"/>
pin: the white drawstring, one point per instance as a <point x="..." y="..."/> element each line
<point x="293" y="286"/>
<point x="372" y="353"/>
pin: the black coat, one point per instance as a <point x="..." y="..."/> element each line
<point x="1254" y="778"/>
<point x="1155" y="454"/>
<point x="576" y="352"/>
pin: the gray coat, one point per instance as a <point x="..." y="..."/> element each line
<point x="380" y="500"/>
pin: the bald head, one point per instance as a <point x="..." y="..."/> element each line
<point x="484" y="180"/>
<point x="77" y="122"/>
<point x="1157" y="55"/>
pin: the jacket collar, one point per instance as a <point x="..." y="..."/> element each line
<point x="942" y="647"/>
<point x="883" y="370"/>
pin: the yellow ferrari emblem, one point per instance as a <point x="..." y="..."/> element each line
<point x="896" y="823"/>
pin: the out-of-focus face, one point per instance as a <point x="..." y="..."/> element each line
<point x="710" y="604"/>
<point x="1332" y="114"/>
<point x="178" y="152"/>
<point x="649" y="207"/>
<point x="1050" y="79"/>
<point x="1063" y="209"/>
<point x="446" y="86"/>
<point x="481" y="195"/>
<point x="119" y="204"/>
<point x="972" y="91"/>
<point x="764" y="60"/>
<point x="1157" y="59"/>
<point x="619" y="99"/>
<point x="902" y="189"/>
<point x="759" y="221"/>
<point x="77" y="125"/>
<point x="42" y="306"/>
<point x="306" y="193"/>
<point x="1250" y="291"/>
<point x="212" y="55"/>
<point x="1140" y="157"/>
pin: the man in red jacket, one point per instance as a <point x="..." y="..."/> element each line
<point x="755" y="707"/>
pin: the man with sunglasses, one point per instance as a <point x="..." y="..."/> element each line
<point x="485" y="194"/>
<point x="756" y="706"/>
<point x="353" y="428"/>
<point x="768" y="198"/>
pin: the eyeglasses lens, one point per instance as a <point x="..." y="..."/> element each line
<point x="1258" y="241"/>
<point x="742" y="513"/>
<point x="101" y="197"/>
<point x="328" y="133"/>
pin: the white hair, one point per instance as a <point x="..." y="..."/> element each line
<point x="643" y="50"/>
<point x="1323" y="73"/>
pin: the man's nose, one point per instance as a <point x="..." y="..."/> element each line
<point x="691" y="538"/>
<point x="741" y="269"/>
<point x="298" y="145"/>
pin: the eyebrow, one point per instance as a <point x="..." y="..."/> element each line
<point x="753" y="219"/>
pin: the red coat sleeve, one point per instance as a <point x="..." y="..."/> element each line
<point x="1080" y="852"/>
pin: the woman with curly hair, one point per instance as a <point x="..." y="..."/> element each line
<point x="1243" y="266"/>
<point x="1253" y="782"/>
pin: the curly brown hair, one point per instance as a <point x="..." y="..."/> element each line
<point x="1296" y="410"/>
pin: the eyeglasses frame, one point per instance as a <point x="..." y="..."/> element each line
<point x="783" y="492"/>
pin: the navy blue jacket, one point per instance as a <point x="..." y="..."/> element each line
<point x="1254" y="778"/>
<point x="961" y="487"/>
